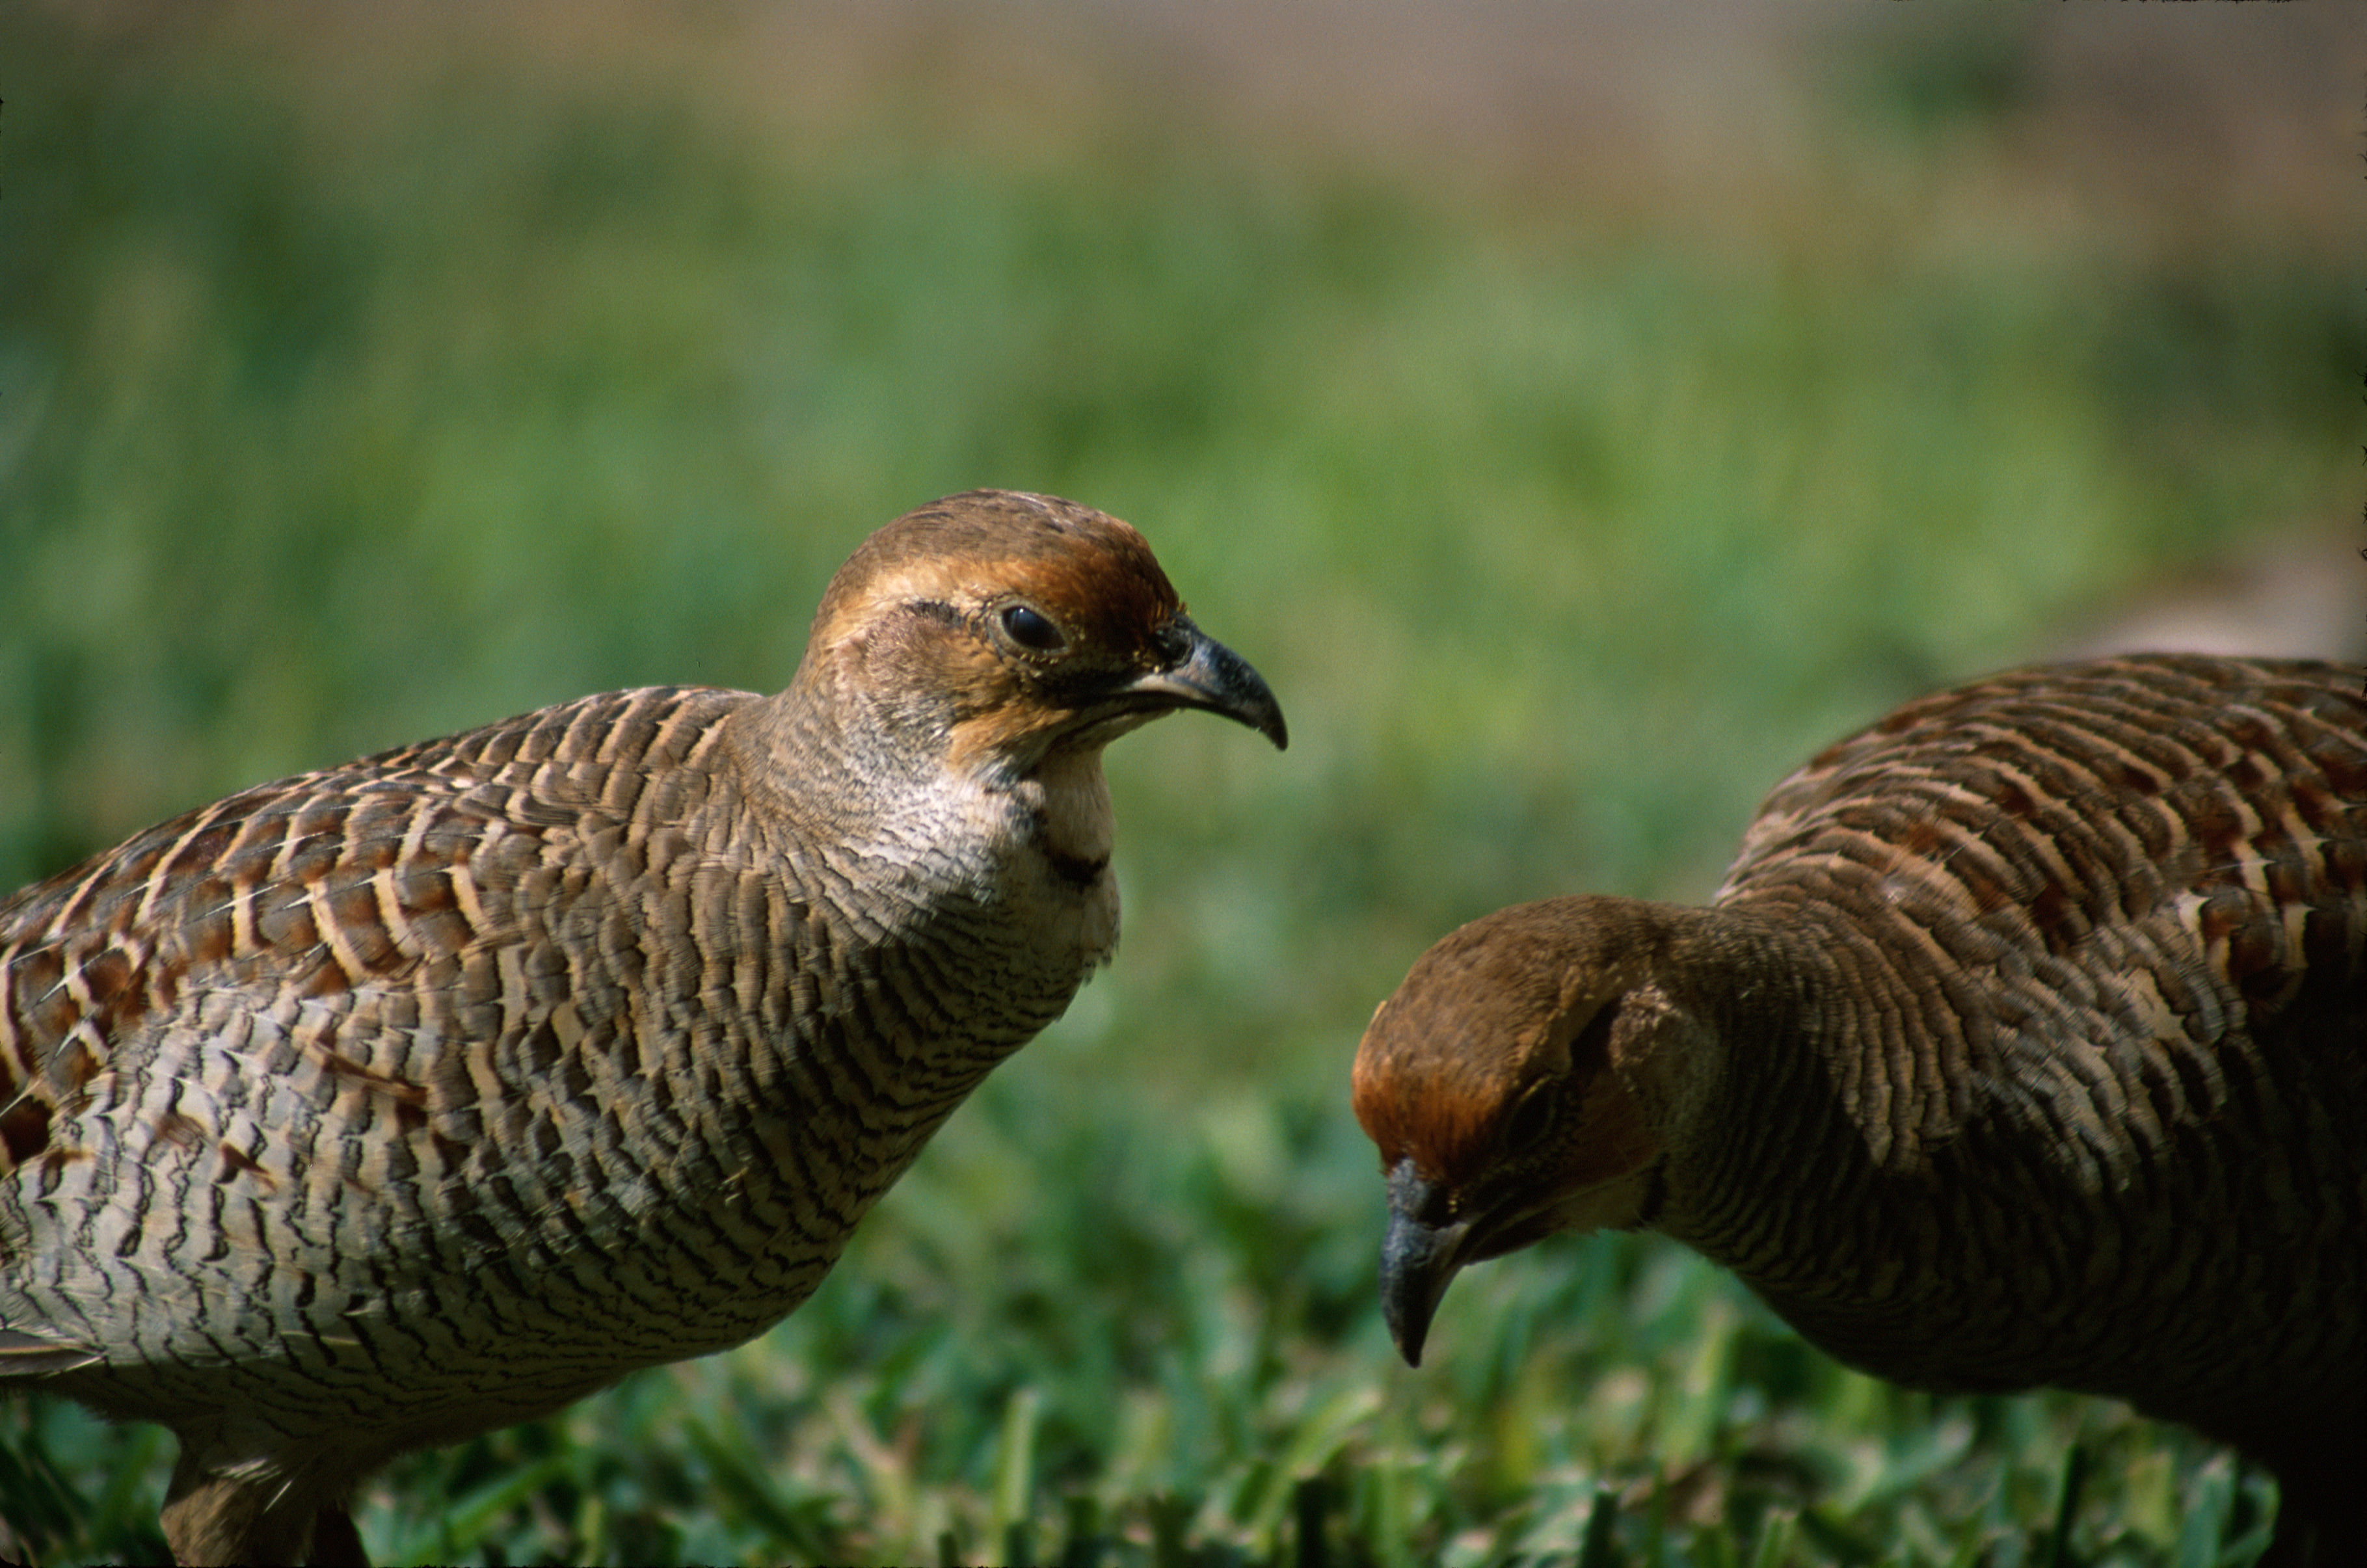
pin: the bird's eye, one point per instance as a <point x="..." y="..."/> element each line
<point x="1031" y="628"/>
<point x="1532" y="1118"/>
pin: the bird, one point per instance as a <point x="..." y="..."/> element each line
<point x="376" y="1108"/>
<point x="2023" y="1044"/>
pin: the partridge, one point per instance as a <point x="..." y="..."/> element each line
<point x="389" y="1104"/>
<point x="2024" y="1045"/>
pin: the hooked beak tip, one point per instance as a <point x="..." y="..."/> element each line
<point x="1213" y="678"/>
<point x="1409" y="1344"/>
<point x="1418" y="1260"/>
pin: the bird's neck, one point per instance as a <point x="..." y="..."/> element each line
<point x="905" y="928"/>
<point x="1824" y="1160"/>
<point x="1067" y="804"/>
<point x="1781" y="1102"/>
<point x="876" y="756"/>
<point x="1029" y="847"/>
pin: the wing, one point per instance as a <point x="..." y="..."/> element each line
<point x="265" y="1040"/>
<point x="2053" y="806"/>
<point x="2157" y="856"/>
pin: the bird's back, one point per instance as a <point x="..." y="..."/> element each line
<point x="2089" y="1017"/>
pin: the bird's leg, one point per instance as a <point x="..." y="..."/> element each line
<point x="336" y="1542"/>
<point x="211" y="1517"/>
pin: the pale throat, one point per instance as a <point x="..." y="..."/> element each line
<point x="1058" y="809"/>
<point x="1073" y="804"/>
<point x="1056" y="821"/>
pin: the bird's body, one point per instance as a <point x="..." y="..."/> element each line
<point x="390" y="1103"/>
<point x="2025" y="1045"/>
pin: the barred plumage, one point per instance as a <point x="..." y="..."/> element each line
<point x="2024" y="1045"/>
<point x="381" y="1106"/>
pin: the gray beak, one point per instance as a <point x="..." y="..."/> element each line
<point x="1212" y="677"/>
<point x="1418" y="1260"/>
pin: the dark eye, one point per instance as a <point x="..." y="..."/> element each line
<point x="1031" y="628"/>
<point x="1532" y="1118"/>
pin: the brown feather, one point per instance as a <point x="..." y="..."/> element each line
<point x="2026" y="1044"/>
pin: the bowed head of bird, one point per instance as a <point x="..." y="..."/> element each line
<point x="2025" y="1045"/>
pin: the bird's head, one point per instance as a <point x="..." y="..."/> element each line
<point x="991" y="630"/>
<point x="1513" y="1084"/>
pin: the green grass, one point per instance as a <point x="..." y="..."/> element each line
<point x="364" y="379"/>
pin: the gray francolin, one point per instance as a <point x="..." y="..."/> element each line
<point x="2025" y="1045"/>
<point x="386" y="1105"/>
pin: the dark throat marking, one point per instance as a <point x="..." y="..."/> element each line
<point x="1081" y="871"/>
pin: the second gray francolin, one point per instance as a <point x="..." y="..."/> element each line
<point x="2025" y="1045"/>
<point x="380" y="1107"/>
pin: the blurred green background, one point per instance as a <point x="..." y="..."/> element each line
<point x="1581" y="413"/>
